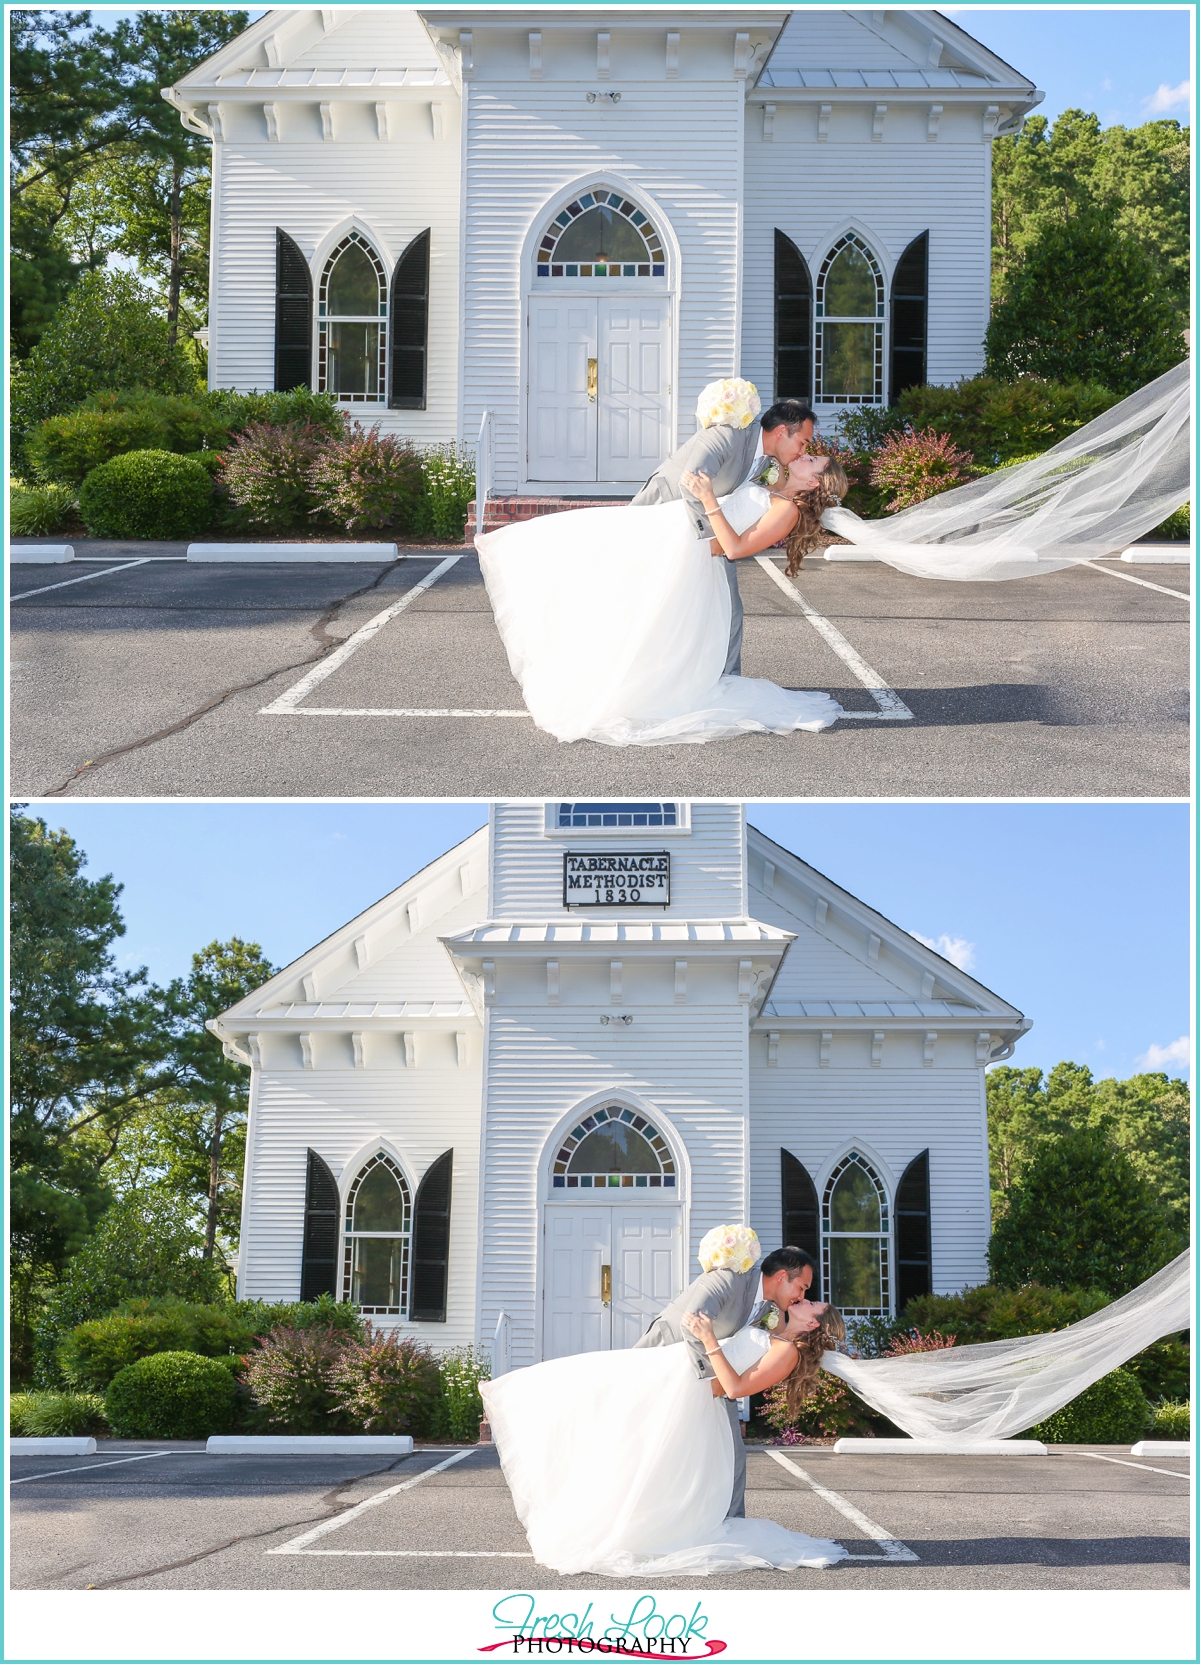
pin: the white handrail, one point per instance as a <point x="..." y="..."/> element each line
<point x="483" y="466"/>
<point x="501" y="1356"/>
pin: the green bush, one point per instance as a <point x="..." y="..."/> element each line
<point x="460" y="1407"/>
<point x="93" y="1353"/>
<point x="111" y="331"/>
<point x="387" y="1383"/>
<point x="1178" y="524"/>
<point x="449" y="474"/>
<point x="991" y="1313"/>
<point x="66" y="448"/>
<point x="235" y="412"/>
<point x="323" y="1313"/>
<point x="1164" y="1369"/>
<point x="1111" y="1411"/>
<point x="145" y="1245"/>
<point x="1172" y="1421"/>
<point x="55" y="1415"/>
<point x="171" y="1395"/>
<point x="147" y="494"/>
<point x="38" y="510"/>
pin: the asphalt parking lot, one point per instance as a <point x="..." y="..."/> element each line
<point x="158" y="1516"/>
<point x="135" y="673"/>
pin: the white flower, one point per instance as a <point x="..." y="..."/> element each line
<point x="735" y="1247"/>
<point x="732" y="404"/>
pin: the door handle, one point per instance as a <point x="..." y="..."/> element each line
<point x="606" y="1285"/>
<point x="593" y="369"/>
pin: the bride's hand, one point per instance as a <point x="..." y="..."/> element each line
<point x="700" y="486"/>
<point x="698" y="1324"/>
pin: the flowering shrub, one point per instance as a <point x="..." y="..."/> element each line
<point x="367" y="479"/>
<point x="290" y="1379"/>
<point x="460" y="1409"/>
<point x="735" y="1247"/>
<point x="916" y="466"/>
<point x="449" y="487"/>
<point x="914" y="1341"/>
<point x="386" y="1384"/>
<point x="267" y="472"/>
<point x="831" y="1411"/>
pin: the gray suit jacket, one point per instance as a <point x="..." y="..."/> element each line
<point x="728" y="1297"/>
<point x="724" y="454"/>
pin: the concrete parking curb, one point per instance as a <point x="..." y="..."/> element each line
<point x="292" y="551"/>
<point x="939" y="1447"/>
<point x="40" y="554"/>
<point x="320" y="1444"/>
<point x="52" y="1447"/>
<point x="1162" y="1447"/>
<point x="1157" y="554"/>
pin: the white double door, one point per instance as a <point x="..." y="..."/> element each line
<point x="608" y="1272"/>
<point x="599" y="387"/>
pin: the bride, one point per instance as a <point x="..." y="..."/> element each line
<point x="621" y="1463"/>
<point x="616" y="620"/>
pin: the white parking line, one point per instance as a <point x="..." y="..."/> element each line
<point x="334" y="710"/>
<point x="891" y="707"/>
<point x="1096" y="1457"/>
<point x="24" y="594"/>
<point x="893" y="1548"/>
<point x="120" y="1461"/>
<point x="287" y="702"/>
<point x="1128" y="578"/>
<point x="418" y="1553"/>
<point x="299" y="1545"/>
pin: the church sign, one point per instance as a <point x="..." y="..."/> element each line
<point x="615" y="880"/>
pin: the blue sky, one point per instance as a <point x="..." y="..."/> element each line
<point x="1076" y="913"/>
<point x="1127" y="64"/>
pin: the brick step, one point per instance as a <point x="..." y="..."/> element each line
<point x="503" y="511"/>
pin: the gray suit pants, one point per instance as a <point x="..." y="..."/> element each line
<point x="733" y="663"/>
<point x="737" y="1502"/>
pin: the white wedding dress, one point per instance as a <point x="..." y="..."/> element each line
<point x="621" y="1463"/>
<point x="616" y="623"/>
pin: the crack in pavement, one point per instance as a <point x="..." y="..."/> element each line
<point x="328" y="1502"/>
<point x="325" y="644"/>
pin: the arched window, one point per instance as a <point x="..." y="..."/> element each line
<point x="352" y="312"/>
<point x="601" y="234"/>
<point x="910" y="317"/>
<point x="410" y="325"/>
<point x="850" y="313"/>
<point x="855" y="1239"/>
<point x="378" y="1224"/>
<point x="793" y="322"/>
<point x="615" y="1149"/>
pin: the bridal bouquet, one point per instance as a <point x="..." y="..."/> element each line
<point x="729" y="404"/>
<point x="729" y="1247"/>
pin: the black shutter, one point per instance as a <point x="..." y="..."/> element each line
<point x="793" y="321"/>
<point x="910" y="317"/>
<point x="318" y="1267"/>
<point x="431" y="1242"/>
<point x="801" y="1216"/>
<point x="293" y="316"/>
<point x="914" y="1267"/>
<point x="410" y="325"/>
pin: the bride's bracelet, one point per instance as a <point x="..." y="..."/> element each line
<point x="710" y="1353"/>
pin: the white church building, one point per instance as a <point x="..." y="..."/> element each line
<point x="573" y="220"/>
<point x="530" y="1079"/>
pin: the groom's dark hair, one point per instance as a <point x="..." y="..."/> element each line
<point x="787" y="1259"/>
<point x="790" y="414"/>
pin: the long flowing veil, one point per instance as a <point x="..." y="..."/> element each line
<point x="1092" y="494"/>
<point x="1004" y="1386"/>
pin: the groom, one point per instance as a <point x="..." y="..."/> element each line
<point x="734" y="1299"/>
<point x="730" y="457"/>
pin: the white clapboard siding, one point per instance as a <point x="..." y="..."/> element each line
<point x="689" y="1064"/>
<point x="828" y="39"/>
<point x="707" y="864"/>
<point x="891" y="192"/>
<point x="335" y="1112"/>
<point x="390" y="190"/>
<point x="370" y="36"/>
<point x="893" y="1115"/>
<point x="680" y="142"/>
<point x="420" y="968"/>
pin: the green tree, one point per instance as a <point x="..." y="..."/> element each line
<point x="85" y="1052"/>
<point x="1084" y="303"/>
<point x="1080" y="1217"/>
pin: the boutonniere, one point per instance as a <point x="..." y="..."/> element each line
<point x="770" y="474"/>
<point x="769" y="1320"/>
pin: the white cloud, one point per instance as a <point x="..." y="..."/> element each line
<point x="1168" y="98"/>
<point x="1155" y="1058"/>
<point x="956" y="949"/>
<point x="1106" y="84"/>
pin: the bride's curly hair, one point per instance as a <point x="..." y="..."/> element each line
<point x="810" y="1348"/>
<point x="807" y="534"/>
